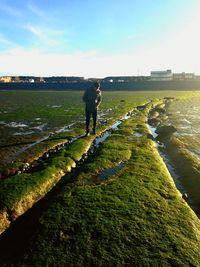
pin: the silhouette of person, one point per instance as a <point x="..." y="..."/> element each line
<point x="92" y="99"/>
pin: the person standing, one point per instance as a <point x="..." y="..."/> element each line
<point x="92" y="99"/>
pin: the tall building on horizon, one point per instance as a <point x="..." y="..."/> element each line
<point x="165" y="75"/>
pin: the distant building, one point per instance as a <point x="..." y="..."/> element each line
<point x="16" y="79"/>
<point x="63" y="79"/>
<point x="5" y="79"/>
<point x="121" y="79"/>
<point x="183" y="76"/>
<point x="41" y="80"/>
<point x="161" y="75"/>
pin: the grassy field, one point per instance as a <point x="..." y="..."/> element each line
<point x="121" y="208"/>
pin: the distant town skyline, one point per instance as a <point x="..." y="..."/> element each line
<point x="98" y="38"/>
<point x="166" y="75"/>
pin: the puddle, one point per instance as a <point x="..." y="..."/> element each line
<point x="40" y="127"/>
<point x="16" y="125"/>
<point x="111" y="171"/>
<point x="65" y="128"/>
<point x="102" y="138"/>
<point x="116" y="124"/>
<point x="138" y="134"/>
<point x="23" y="133"/>
<point x="56" y="106"/>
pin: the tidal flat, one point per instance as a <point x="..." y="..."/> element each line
<point x="133" y="216"/>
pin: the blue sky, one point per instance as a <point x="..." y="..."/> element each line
<point x="98" y="38"/>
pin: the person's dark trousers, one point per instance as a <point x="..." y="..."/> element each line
<point x="94" y="117"/>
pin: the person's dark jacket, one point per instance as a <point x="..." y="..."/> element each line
<point x="92" y="98"/>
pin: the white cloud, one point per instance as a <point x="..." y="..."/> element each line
<point x="36" y="31"/>
<point x="91" y="64"/>
<point x="34" y="62"/>
<point x="47" y="37"/>
<point x="88" y="64"/>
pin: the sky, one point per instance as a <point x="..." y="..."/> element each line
<point x="98" y="38"/>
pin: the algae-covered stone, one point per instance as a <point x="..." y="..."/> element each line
<point x="4" y="221"/>
<point x="165" y="131"/>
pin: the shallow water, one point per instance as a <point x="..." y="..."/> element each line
<point x="187" y="122"/>
<point x="152" y="130"/>
<point x="185" y="116"/>
<point x="24" y="133"/>
<point x="65" y="128"/>
<point x="16" y="124"/>
<point x="107" y="173"/>
<point x="172" y="172"/>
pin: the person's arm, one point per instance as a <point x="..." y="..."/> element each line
<point x="99" y="98"/>
<point x="85" y="96"/>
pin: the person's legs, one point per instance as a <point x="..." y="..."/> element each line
<point x="94" y="117"/>
<point x="88" y="115"/>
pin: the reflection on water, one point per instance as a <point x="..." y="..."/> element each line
<point x="152" y="130"/>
